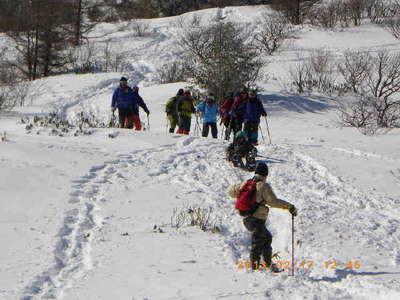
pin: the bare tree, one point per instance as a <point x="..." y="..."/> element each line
<point x="355" y="67"/>
<point x="139" y="28"/>
<point x="274" y="30"/>
<point x="171" y="72"/>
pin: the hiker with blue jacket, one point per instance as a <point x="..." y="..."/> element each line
<point x="208" y="110"/>
<point x="253" y="200"/>
<point x="123" y="100"/>
<point x="254" y="109"/>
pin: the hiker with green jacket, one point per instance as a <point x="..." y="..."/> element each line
<point x="185" y="109"/>
<point x="170" y="109"/>
<point x="254" y="218"/>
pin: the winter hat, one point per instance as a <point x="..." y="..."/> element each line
<point x="123" y="79"/>
<point x="261" y="169"/>
<point x="180" y="92"/>
<point x="241" y="135"/>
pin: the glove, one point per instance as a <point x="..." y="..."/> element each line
<point x="293" y="210"/>
<point x="113" y="109"/>
<point x="264" y="115"/>
<point x="148" y="112"/>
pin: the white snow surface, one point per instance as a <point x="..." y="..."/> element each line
<point x="89" y="216"/>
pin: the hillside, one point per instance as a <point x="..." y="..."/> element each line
<point x="89" y="216"/>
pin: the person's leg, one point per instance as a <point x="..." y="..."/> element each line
<point x="186" y="124"/>
<point x="214" y="130"/>
<point x="252" y="225"/>
<point x="121" y="117"/>
<point x="253" y="136"/>
<point x="264" y="240"/>
<point x="247" y="129"/>
<point x="205" y="130"/>
<point x="136" y="122"/>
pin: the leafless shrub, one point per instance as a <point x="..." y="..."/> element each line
<point x="274" y="30"/>
<point x="139" y="28"/>
<point x="195" y="216"/>
<point x="326" y="15"/>
<point x="355" y="9"/>
<point x="171" y="72"/>
<point x="354" y="67"/>
<point x="314" y="72"/>
<point x="393" y="26"/>
<point x="378" y="11"/>
<point x="83" y="58"/>
<point x="358" y="112"/>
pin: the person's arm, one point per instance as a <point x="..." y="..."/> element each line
<point x="234" y="190"/>
<point x="142" y="104"/>
<point x="262" y="110"/>
<point x="271" y="200"/>
<point x="114" y="98"/>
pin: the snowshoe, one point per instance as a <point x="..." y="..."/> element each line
<point x="251" y="160"/>
<point x="274" y="269"/>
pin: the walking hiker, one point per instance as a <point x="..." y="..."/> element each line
<point x="208" y="110"/>
<point x="253" y="199"/>
<point x="238" y="109"/>
<point x="123" y="100"/>
<point x="185" y="109"/>
<point x="241" y="149"/>
<point x="170" y="109"/>
<point x="254" y="109"/>
<point x="226" y="115"/>
<point x="138" y="101"/>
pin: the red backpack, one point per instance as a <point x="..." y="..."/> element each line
<point x="246" y="198"/>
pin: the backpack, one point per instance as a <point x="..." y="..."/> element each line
<point x="171" y="105"/>
<point x="246" y="199"/>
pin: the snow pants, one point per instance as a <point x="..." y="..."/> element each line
<point x="125" y="118"/>
<point x="184" y="124"/>
<point x="173" y="122"/>
<point x="260" y="241"/>
<point x="214" y="130"/>
<point x="136" y="122"/>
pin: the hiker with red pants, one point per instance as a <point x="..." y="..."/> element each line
<point x="138" y="101"/>
<point x="122" y="99"/>
<point x="253" y="200"/>
<point x="226" y="115"/>
<point x="254" y="110"/>
<point x="238" y="110"/>
<point x="185" y="109"/>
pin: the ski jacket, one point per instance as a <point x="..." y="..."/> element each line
<point x="226" y="108"/>
<point x="136" y="102"/>
<point x="209" y="111"/>
<point x="254" y="109"/>
<point x="170" y="107"/>
<point x="122" y="98"/>
<point x="184" y="106"/>
<point x="264" y="195"/>
<point x="239" y="106"/>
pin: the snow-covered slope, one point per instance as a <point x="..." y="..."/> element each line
<point x="89" y="216"/>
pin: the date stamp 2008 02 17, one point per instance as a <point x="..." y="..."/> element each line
<point x="309" y="264"/>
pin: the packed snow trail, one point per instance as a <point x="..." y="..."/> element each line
<point x="335" y="222"/>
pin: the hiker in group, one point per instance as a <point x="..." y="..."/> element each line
<point x="185" y="109"/>
<point x="226" y="115"/>
<point x="136" y="102"/>
<point x="254" y="110"/>
<point x="238" y="109"/>
<point x="170" y="109"/>
<point x="254" y="211"/>
<point x="208" y="110"/>
<point x="241" y="149"/>
<point x="123" y="100"/>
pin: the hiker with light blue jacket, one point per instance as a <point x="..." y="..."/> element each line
<point x="209" y="111"/>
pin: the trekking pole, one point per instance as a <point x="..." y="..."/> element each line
<point x="166" y="126"/>
<point x="148" y="123"/>
<point x="269" y="135"/>
<point x="292" y="245"/>
<point x="228" y="130"/>
<point x="262" y="135"/>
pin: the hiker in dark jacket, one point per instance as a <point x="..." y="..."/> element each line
<point x="254" y="109"/>
<point x="238" y="109"/>
<point x="123" y="100"/>
<point x="261" y="239"/>
<point x="138" y="102"/>
<point x="170" y="109"/>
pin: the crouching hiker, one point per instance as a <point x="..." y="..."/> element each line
<point x="253" y="199"/>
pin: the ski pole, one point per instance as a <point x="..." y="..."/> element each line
<point x="292" y="245"/>
<point x="269" y="135"/>
<point x="262" y="135"/>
